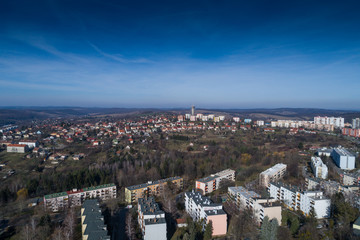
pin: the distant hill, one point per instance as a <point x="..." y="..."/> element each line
<point x="18" y="114"/>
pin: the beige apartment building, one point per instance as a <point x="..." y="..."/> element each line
<point x="133" y="193"/>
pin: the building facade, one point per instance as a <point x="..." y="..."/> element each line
<point x="355" y="123"/>
<point x="133" y="193"/>
<point x="308" y="202"/>
<point x="272" y="174"/>
<point x="319" y="168"/>
<point x="337" y="122"/>
<point x="351" y="132"/>
<point x="244" y="198"/>
<point x="30" y="143"/>
<point x="59" y="201"/>
<point x="151" y="219"/>
<point x="200" y="208"/>
<point x="17" y="148"/>
<point x="343" y="158"/>
<point x="212" y="182"/>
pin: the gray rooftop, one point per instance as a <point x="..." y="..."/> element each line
<point x="149" y="206"/>
<point x="200" y="199"/>
<point x="244" y="192"/>
<point x="95" y="227"/>
<point x="343" y="152"/>
<point x="289" y="187"/>
<point x="208" y="179"/>
<point x="144" y="185"/>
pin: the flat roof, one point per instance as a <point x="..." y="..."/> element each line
<point x="201" y="200"/>
<point x="99" y="187"/>
<point x="55" y="195"/>
<point x="155" y="221"/>
<point x="271" y="204"/>
<point x="144" y="185"/>
<point x="274" y="169"/>
<point x="149" y="206"/>
<point x="207" y="179"/>
<point x="288" y="187"/>
<point x="343" y="152"/>
<point x="244" y="192"/>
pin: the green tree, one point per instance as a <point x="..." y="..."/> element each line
<point x="265" y="227"/>
<point x="208" y="231"/>
<point x="269" y="229"/>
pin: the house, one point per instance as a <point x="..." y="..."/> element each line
<point x="17" y="148"/>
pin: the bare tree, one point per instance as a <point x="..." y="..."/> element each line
<point x="58" y="234"/>
<point x="69" y="223"/>
<point x="130" y="231"/>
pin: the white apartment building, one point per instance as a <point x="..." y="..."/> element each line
<point x="337" y="122"/>
<point x="301" y="124"/>
<point x="356" y="123"/>
<point x="324" y="152"/>
<point x="236" y="119"/>
<point x="272" y="174"/>
<point x="261" y="207"/>
<point x="200" y="208"/>
<point x="30" y="143"/>
<point x="212" y="182"/>
<point x="151" y="219"/>
<point x="319" y="168"/>
<point x="343" y="158"/>
<point x="295" y="199"/>
<point x="260" y="123"/>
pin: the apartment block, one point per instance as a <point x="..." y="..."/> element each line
<point x="324" y="152"/>
<point x="349" y="179"/>
<point x="343" y="158"/>
<point x="92" y="221"/>
<point x="151" y="219"/>
<point x="17" y="148"/>
<point x="200" y="207"/>
<point x="253" y="201"/>
<point x="355" y="123"/>
<point x="272" y="174"/>
<point x="351" y="132"/>
<point x="212" y="182"/>
<point x="133" y="193"/>
<point x="260" y="123"/>
<point x="337" y="122"/>
<point x="307" y="202"/>
<point x="30" y="143"/>
<point x="59" y="201"/>
<point x="243" y="197"/>
<point x="302" y="124"/>
<point x="319" y="168"/>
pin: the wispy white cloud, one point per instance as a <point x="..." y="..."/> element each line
<point x="117" y="57"/>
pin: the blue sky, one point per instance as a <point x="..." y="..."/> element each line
<point x="214" y="54"/>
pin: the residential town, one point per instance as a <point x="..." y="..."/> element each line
<point x="297" y="180"/>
